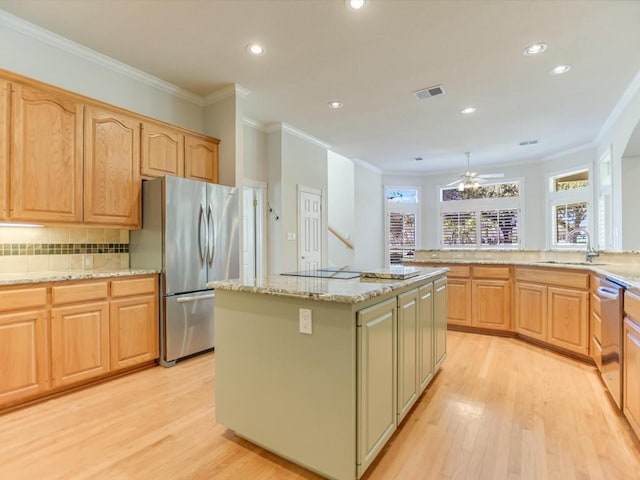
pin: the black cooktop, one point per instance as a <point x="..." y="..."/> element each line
<point x="325" y="273"/>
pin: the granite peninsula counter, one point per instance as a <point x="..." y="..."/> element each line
<point x="322" y="371"/>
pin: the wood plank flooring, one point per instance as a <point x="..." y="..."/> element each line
<point x="499" y="409"/>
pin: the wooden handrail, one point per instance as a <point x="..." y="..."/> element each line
<point x="341" y="238"/>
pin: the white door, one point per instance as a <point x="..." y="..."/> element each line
<point x="309" y="228"/>
<point x="253" y="241"/>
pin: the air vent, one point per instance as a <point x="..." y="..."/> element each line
<point x="418" y="159"/>
<point x="528" y="142"/>
<point x="429" y="92"/>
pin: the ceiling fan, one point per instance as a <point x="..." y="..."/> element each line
<point x="472" y="180"/>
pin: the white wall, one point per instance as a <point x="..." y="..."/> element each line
<point x="67" y="65"/>
<point x="341" y="206"/>
<point x="255" y="154"/>
<point x="631" y="199"/>
<point x="223" y="120"/>
<point x="369" y="217"/>
<point x="275" y="235"/>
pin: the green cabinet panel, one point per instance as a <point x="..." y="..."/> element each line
<point x="425" y="336"/>
<point x="440" y="320"/>
<point x="407" y="352"/>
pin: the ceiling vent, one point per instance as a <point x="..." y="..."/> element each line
<point x="528" y="142"/>
<point x="429" y="92"/>
<point x="418" y="159"/>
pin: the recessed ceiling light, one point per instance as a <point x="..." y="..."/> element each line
<point x="335" y="104"/>
<point x="534" y="49"/>
<point x="356" y="4"/>
<point x="468" y="110"/>
<point x="559" y="70"/>
<point x="255" y="49"/>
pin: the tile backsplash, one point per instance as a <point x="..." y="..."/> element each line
<point x="34" y="249"/>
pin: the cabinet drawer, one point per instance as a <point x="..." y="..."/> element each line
<point x="632" y="307"/>
<point x="458" y="271"/>
<point x="596" y="304"/>
<point x="133" y="286"/>
<point x="21" y="298"/>
<point x="491" y="272"/>
<point x="553" y="276"/>
<point x="79" y="292"/>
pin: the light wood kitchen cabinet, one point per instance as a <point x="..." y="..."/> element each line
<point x="552" y="306"/>
<point x="133" y="322"/>
<point x="569" y="327"/>
<point x="111" y="169"/>
<point x="440" y="299"/>
<point x="376" y="339"/>
<point x="408" y="362"/>
<point x="79" y="332"/>
<point x="46" y="156"/>
<point x="201" y="158"/>
<point x="491" y="300"/>
<point x="459" y="295"/>
<point x="531" y="310"/>
<point x="4" y="149"/>
<point x="426" y="337"/>
<point x="23" y="344"/>
<point x="631" y="361"/>
<point x="162" y="151"/>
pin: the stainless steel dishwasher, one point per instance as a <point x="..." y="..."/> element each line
<point x="611" y="295"/>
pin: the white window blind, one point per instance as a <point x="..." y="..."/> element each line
<point x="459" y="228"/>
<point x="402" y="236"/>
<point x="569" y="217"/>
<point x="499" y="227"/>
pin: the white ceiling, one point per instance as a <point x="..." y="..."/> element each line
<point x="373" y="59"/>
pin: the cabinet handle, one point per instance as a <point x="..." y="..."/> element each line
<point x="195" y="299"/>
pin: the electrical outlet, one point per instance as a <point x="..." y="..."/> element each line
<point x="291" y="236"/>
<point x="87" y="261"/>
<point x="306" y="324"/>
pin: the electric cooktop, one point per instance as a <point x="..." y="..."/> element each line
<point x="325" y="273"/>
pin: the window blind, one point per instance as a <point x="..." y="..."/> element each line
<point x="499" y="227"/>
<point x="402" y="236"/>
<point x="459" y="228"/>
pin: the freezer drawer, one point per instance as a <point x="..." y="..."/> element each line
<point x="187" y="326"/>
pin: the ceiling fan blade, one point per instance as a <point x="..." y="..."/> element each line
<point x="455" y="182"/>
<point x="491" y="175"/>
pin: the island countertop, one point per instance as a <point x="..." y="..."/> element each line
<point x="352" y="291"/>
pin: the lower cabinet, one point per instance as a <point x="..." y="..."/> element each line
<point x="376" y="337"/>
<point x="631" y="372"/>
<point x="491" y="300"/>
<point x="408" y="361"/>
<point x="531" y="310"/>
<point x="459" y="311"/>
<point x="62" y="334"/>
<point x="426" y="336"/>
<point x="79" y="342"/>
<point x="440" y="321"/>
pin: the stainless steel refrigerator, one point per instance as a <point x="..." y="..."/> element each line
<point x="190" y="233"/>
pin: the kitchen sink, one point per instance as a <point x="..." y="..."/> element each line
<point x="555" y="262"/>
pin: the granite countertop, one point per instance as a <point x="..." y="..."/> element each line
<point x="626" y="274"/>
<point x="352" y="291"/>
<point x="58" y="276"/>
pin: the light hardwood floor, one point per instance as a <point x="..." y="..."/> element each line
<point x="499" y="409"/>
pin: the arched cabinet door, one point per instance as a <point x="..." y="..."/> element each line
<point x="111" y="169"/>
<point x="201" y="158"/>
<point x="46" y="156"/>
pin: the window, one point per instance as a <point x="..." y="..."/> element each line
<point x="402" y="213"/>
<point x="570" y="203"/>
<point x="484" y="217"/>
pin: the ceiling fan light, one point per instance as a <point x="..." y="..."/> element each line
<point x="461" y="187"/>
<point x="476" y="185"/>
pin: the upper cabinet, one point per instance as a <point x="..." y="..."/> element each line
<point x="162" y="151"/>
<point x="46" y="156"/>
<point x="112" y="168"/>
<point x="4" y="149"/>
<point x="201" y="158"/>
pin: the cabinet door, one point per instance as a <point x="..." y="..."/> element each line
<point x="376" y="391"/>
<point x="112" y="169"/>
<point x="491" y="301"/>
<point x="24" y="355"/>
<point x="46" y="157"/>
<point x="631" y="372"/>
<point x="407" y="352"/>
<point x="79" y="342"/>
<point x="162" y="151"/>
<point x="200" y="159"/>
<point x="440" y="299"/>
<point x="133" y="331"/>
<point x="425" y="336"/>
<point x="568" y="319"/>
<point x="459" y="301"/>
<point x="531" y="310"/>
<point x="4" y="149"/>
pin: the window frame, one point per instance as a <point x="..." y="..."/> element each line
<point x="415" y="208"/>
<point x="479" y="205"/>
<point x="566" y="197"/>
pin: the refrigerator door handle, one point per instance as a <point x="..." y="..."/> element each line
<point x="195" y="299"/>
<point x="212" y="237"/>
<point x="201" y="252"/>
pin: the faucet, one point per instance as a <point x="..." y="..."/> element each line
<point x="591" y="252"/>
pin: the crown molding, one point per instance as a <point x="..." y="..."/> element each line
<point x="305" y="136"/>
<point x="226" y="92"/>
<point x="22" y="26"/>
<point x="255" y="124"/>
<point x="628" y="95"/>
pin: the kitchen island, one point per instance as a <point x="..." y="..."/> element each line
<point x="322" y="371"/>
